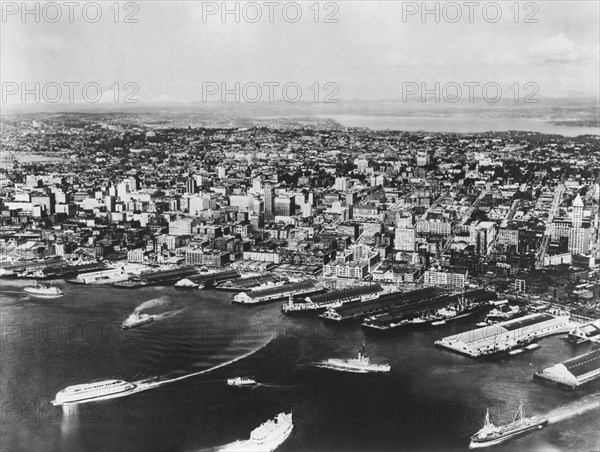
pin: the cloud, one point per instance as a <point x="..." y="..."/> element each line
<point x="399" y="59"/>
<point x="561" y="50"/>
<point x="503" y="59"/>
<point x="556" y="50"/>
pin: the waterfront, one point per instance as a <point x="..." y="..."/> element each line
<point x="431" y="399"/>
<point x="460" y="124"/>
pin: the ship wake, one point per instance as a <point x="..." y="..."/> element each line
<point x="573" y="409"/>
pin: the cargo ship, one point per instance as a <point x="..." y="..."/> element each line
<point x="42" y="291"/>
<point x="490" y="435"/>
<point x="89" y="392"/>
<point x="362" y="364"/>
<point x="265" y="438"/>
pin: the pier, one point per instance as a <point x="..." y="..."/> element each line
<point x="358" y="310"/>
<point x="574" y="372"/>
<point x="275" y="293"/>
<point x="505" y="336"/>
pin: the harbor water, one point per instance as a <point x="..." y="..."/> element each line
<point x="431" y="400"/>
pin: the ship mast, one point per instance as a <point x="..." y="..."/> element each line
<point x="487" y="422"/>
<point x="519" y="413"/>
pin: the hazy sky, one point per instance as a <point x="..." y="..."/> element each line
<point x="369" y="53"/>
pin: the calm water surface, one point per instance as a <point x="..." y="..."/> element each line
<point x="432" y="399"/>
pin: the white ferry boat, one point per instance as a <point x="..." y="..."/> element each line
<point x="135" y="320"/>
<point x="265" y="438"/>
<point x="241" y="381"/>
<point x="89" y="392"/>
<point x="42" y="291"/>
<point x="361" y="364"/>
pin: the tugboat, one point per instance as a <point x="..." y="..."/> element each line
<point x="265" y="438"/>
<point x="490" y="435"/>
<point x="42" y="291"/>
<point x="241" y="381"/>
<point x="361" y="364"/>
<point x="135" y="320"/>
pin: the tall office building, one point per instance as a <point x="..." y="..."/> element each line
<point x="284" y="206"/>
<point x="191" y="185"/>
<point x="269" y="202"/>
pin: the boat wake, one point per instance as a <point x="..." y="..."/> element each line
<point x="211" y="369"/>
<point x="573" y="409"/>
<point x="167" y="314"/>
<point x="162" y="302"/>
<point x="153" y="382"/>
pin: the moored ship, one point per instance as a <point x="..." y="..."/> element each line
<point x="361" y="364"/>
<point x="89" y="392"/>
<point x="490" y="435"/>
<point x="186" y="283"/>
<point x="499" y="315"/>
<point x="267" y="437"/>
<point x="462" y="308"/>
<point x="42" y="291"/>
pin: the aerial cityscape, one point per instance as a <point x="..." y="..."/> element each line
<point x="348" y="274"/>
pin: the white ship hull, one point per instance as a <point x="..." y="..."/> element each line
<point x="37" y="293"/>
<point x="268" y="446"/>
<point x="506" y="437"/>
<point x="343" y="366"/>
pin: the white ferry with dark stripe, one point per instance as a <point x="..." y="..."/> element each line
<point x="89" y="392"/>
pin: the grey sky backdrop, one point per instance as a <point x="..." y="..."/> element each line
<point x="368" y="53"/>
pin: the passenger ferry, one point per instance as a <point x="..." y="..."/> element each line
<point x="265" y="438"/>
<point x="89" y="392"/>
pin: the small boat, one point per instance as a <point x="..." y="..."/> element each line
<point x="439" y="322"/>
<point x="241" y="381"/>
<point x="532" y="346"/>
<point x="42" y="291"/>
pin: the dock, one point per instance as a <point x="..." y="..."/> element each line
<point x="574" y="372"/>
<point x="360" y="309"/>
<point x="476" y="300"/>
<point x="334" y="298"/>
<point x="163" y="277"/>
<point x="506" y="336"/>
<point x="275" y="293"/>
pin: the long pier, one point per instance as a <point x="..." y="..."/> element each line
<point x="360" y="309"/>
